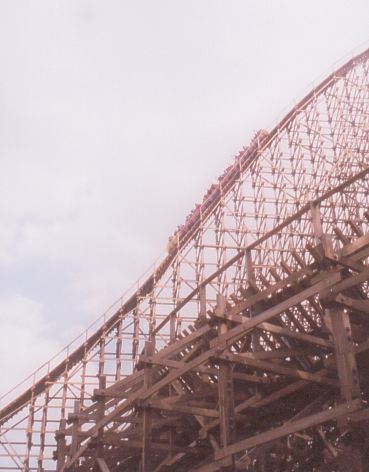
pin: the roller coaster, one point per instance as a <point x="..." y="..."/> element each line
<point x="247" y="346"/>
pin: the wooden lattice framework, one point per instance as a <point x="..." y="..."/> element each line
<point x="247" y="347"/>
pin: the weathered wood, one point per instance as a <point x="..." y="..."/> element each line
<point x="225" y="387"/>
<point x="75" y="429"/>
<point x="61" y="445"/>
<point x="245" y="359"/>
<point x="147" y="414"/>
<point x="100" y="415"/>
<point x="288" y="428"/>
<point x="238" y="409"/>
<point x="359" y="305"/>
<point x="271" y="290"/>
<point x="103" y="466"/>
<point x="202" y="300"/>
<point x="191" y="374"/>
<point x="279" y="330"/>
<point x="338" y="322"/>
<point x="166" y="405"/>
<point x="316" y="221"/>
<point x="234" y="333"/>
<point x="277" y="395"/>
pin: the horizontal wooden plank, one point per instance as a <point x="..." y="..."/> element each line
<point x="177" y="407"/>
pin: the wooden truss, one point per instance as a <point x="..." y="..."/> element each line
<point x="271" y="379"/>
<point x="247" y="347"/>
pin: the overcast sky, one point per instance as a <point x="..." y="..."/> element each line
<point x="115" y="117"/>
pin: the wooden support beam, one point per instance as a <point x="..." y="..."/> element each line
<point x="349" y="263"/>
<point x="249" y="402"/>
<point x="284" y="353"/>
<point x="180" y="344"/>
<point x="75" y="429"/>
<point x="225" y="386"/>
<point x="100" y="415"/>
<point x="61" y="445"/>
<point x="226" y="403"/>
<point x="304" y="337"/>
<point x="202" y="299"/>
<point x="355" y="247"/>
<point x="352" y="303"/>
<point x="338" y="322"/>
<point x="214" y="466"/>
<point x="343" y="410"/>
<point x="270" y="291"/>
<point x="316" y="221"/>
<point x="340" y="235"/>
<point x="309" y="338"/>
<point x="235" y="333"/>
<point x="103" y="466"/>
<point x="232" y="335"/>
<point x="245" y="359"/>
<point x="278" y="394"/>
<point x="145" y="393"/>
<point x="155" y="446"/>
<point x="146" y="465"/>
<point x="345" y="284"/>
<point x="185" y="370"/>
<point x="253" y="378"/>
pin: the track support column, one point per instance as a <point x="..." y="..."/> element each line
<point x="61" y="445"/>
<point x="147" y="413"/>
<point x="225" y="394"/>
<point x="338" y="323"/>
<point x="100" y="416"/>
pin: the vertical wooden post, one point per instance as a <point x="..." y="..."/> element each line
<point x="172" y="327"/>
<point x="320" y="237"/>
<point x="136" y="334"/>
<point x="338" y="323"/>
<point x="118" y="349"/>
<point x="147" y="413"/>
<point x="251" y="279"/>
<point x="225" y="394"/>
<point x="225" y="390"/>
<point x="316" y="221"/>
<point x="100" y="416"/>
<point x="152" y="320"/>
<point x="43" y="429"/>
<point x="75" y="429"/>
<point x="202" y="298"/>
<point x="102" y="354"/>
<point x="61" y="445"/>
<point x="31" y="419"/>
<point x="250" y="274"/>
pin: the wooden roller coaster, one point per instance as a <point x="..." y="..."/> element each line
<point x="247" y="348"/>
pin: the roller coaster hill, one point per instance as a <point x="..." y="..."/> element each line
<point x="247" y="347"/>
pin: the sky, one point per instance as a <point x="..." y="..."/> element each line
<point x="115" y="117"/>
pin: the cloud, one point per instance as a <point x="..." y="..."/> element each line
<point x="25" y="340"/>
